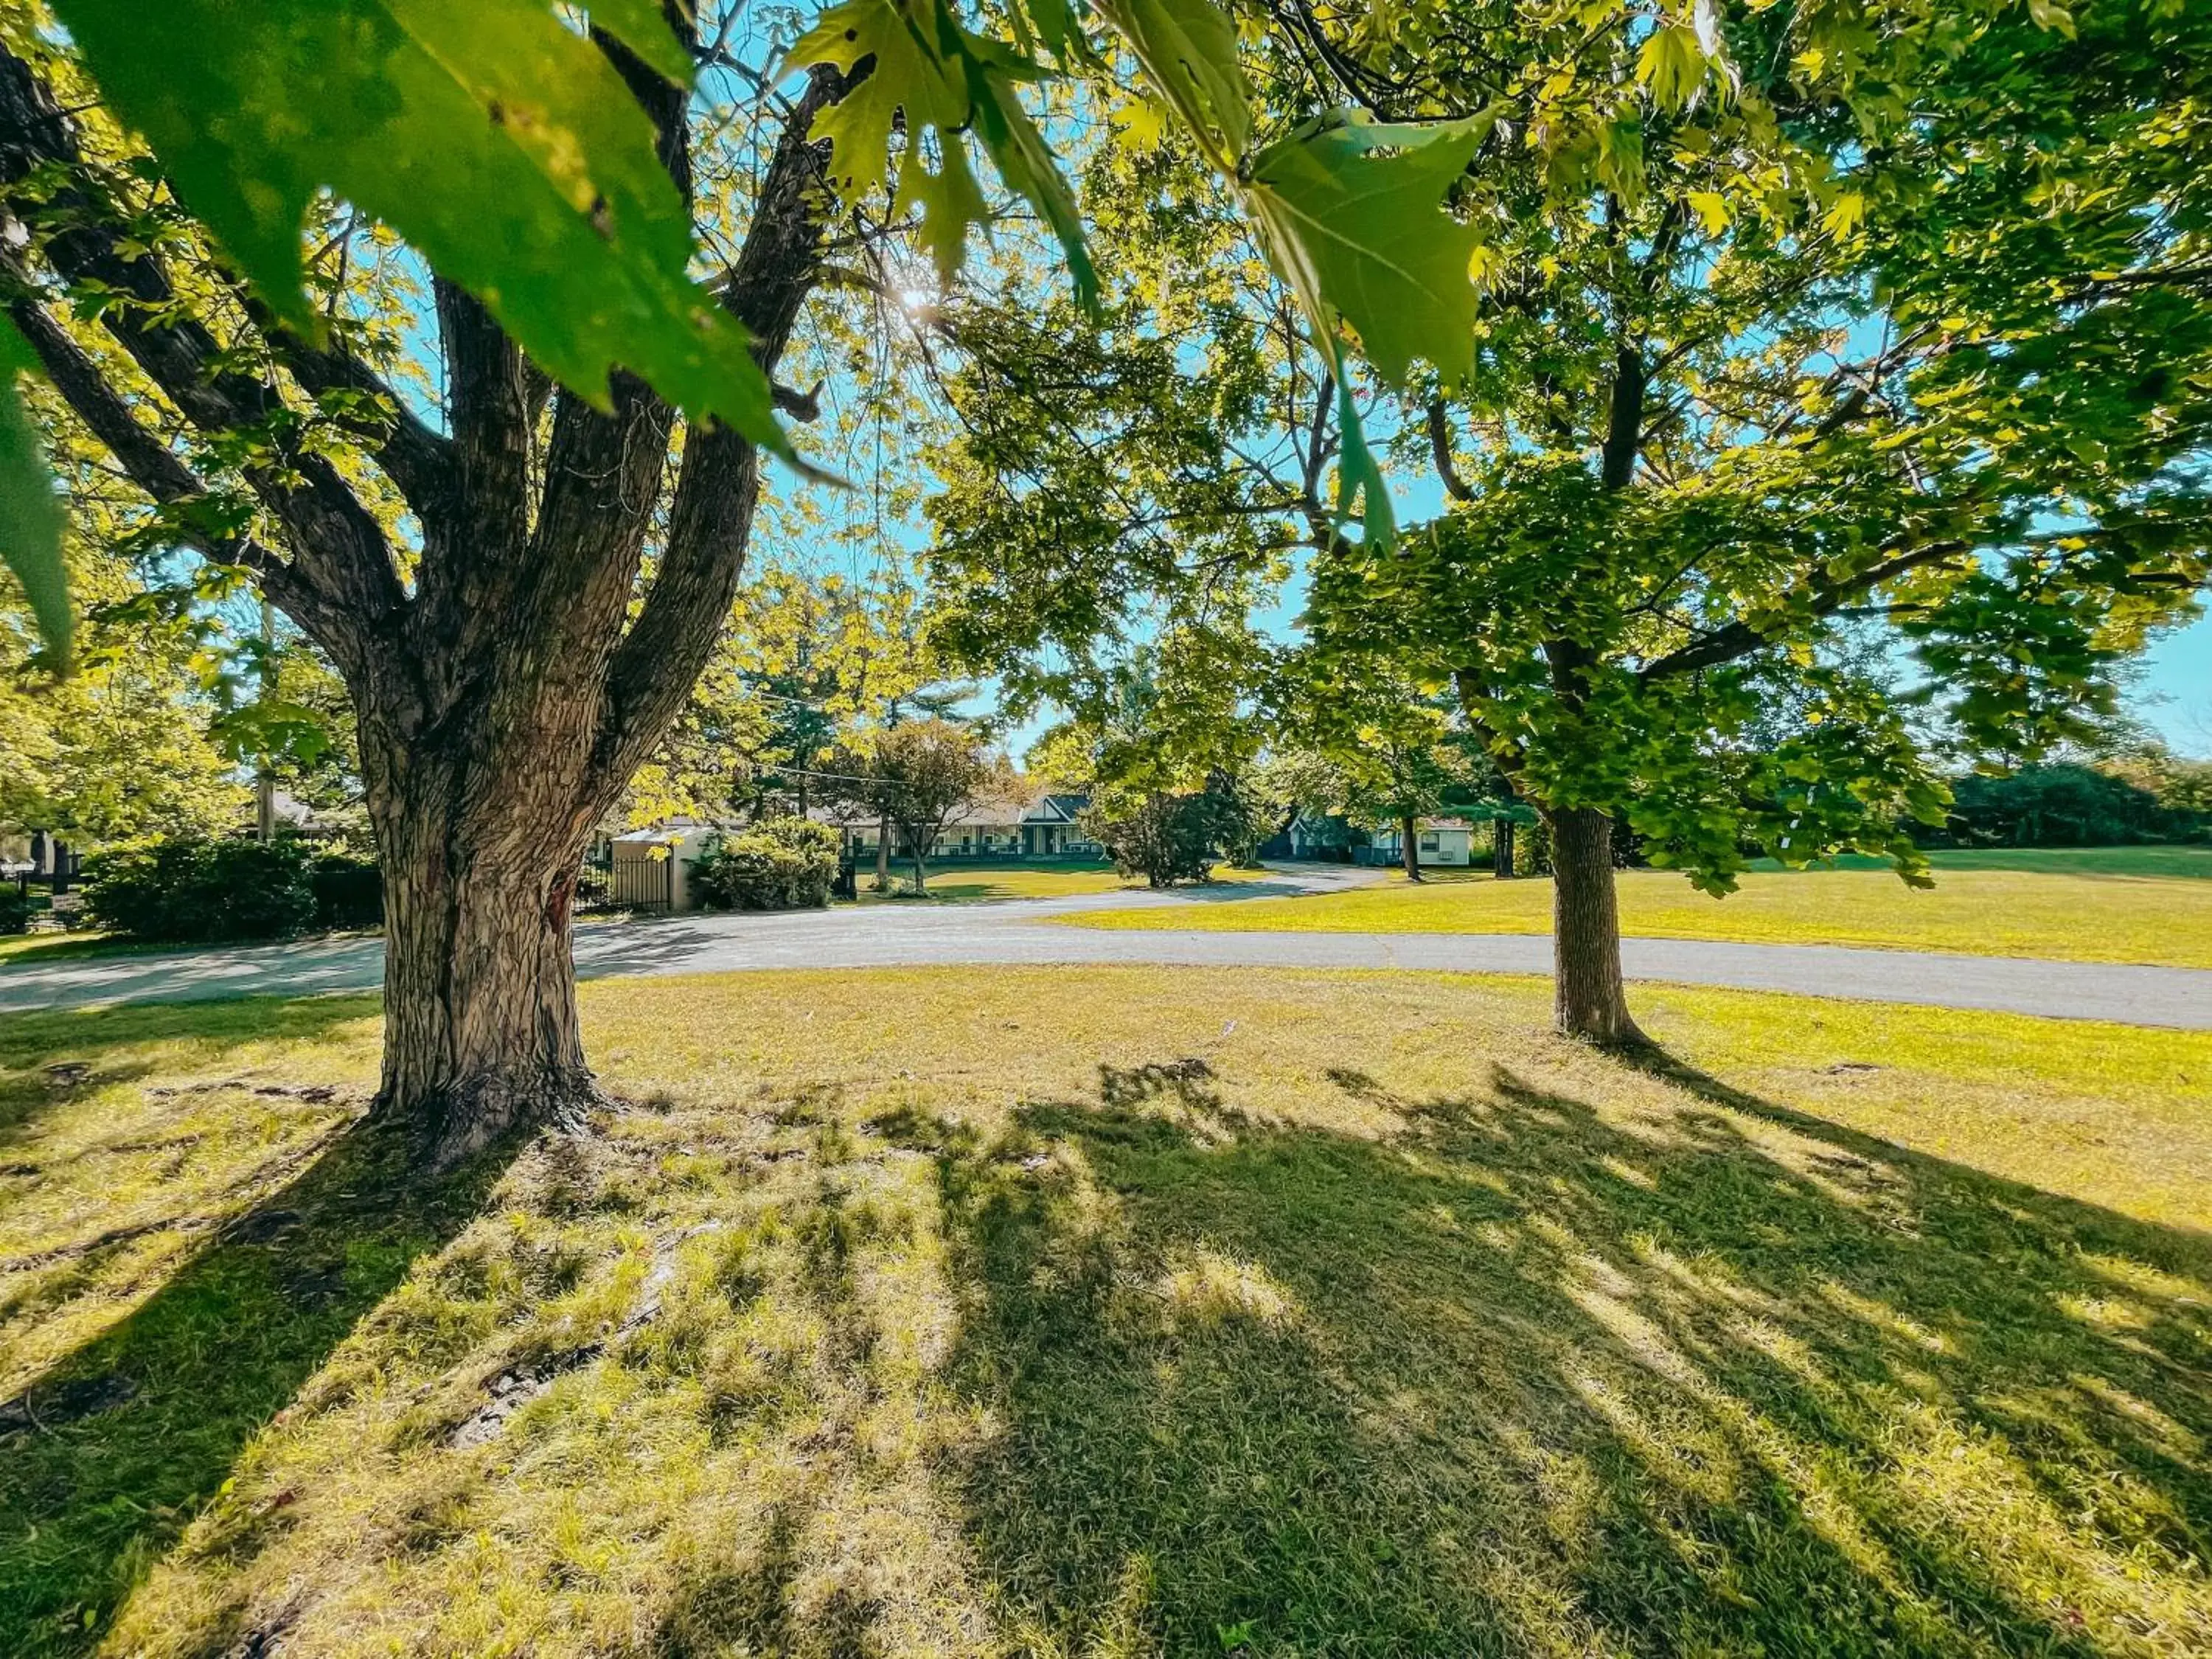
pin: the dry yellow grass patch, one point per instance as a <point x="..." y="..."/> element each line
<point x="2103" y="907"/>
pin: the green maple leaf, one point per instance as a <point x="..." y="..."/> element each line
<point x="949" y="200"/>
<point x="1358" y="475"/>
<point x="908" y="74"/>
<point x="1189" y="48"/>
<point x="30" y="512"/>
<point x="1672" y="64"/>
<point x="499" y="141"/>
<point x="1026" y="162"/>
<point x="946" y="80"/>
<point x="1054" y="24"/>
<point x="1361" y="235"/>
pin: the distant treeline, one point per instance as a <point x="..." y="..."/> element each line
<point x="2109" y="803"/>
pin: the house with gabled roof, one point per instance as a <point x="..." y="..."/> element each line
<point x="1042" y="827"/>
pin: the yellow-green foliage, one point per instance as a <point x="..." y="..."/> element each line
<point x="2109" y="905"/>
<point x="1058" y="1312"/>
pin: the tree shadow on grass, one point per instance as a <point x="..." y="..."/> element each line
<point x="1694" y="1374"/>
<point x="106" y="1458"/>
<point x="49" y="1057"/>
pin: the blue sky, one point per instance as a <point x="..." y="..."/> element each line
<point x="2174" y="696"/>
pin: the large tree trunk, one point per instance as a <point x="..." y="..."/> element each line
<point x="883" y="853"/>
<point x="480" y="853"/>
<point x="1409" y="849"/>
<point x="1590" y="997"/>
<point x="1501" y="848"/>
<point x="480" y="1004"/>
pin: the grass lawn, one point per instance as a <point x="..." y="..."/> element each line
<point x="2121" y="904"/>
<point x="1105" y="1312"/>
<point x="29" y="948"/>
<point x="968" y="883"/>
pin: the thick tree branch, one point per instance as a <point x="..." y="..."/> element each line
<point x="800" y="406"/>
<point x="1440" y="448"/>
<point x="417" y="460"/>
<point x="491" y="409"/>
<point x="1320" y="523"/>
<point x="1624" y="433"/>
<point x="719" y="487"/>
<point x="147" y="461"/>
<point x="1740" y="639"/>
<point x="570" y="581"/>
<point x="151" y="464"/>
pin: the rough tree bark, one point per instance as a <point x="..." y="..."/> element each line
<point x="508" y="686"/>
<point x="1588" y="998"/>
<point x="1409" y="847"/>
<point x="480" y="1029"/>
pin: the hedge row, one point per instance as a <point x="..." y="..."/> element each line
<point x="192" y="890"/>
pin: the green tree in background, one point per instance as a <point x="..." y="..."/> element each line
<point x="1808" y="344"/>
<point x="808" y="668"/>
<point x="1165" y="836"/>
<point x="117" y="750"/>
<point x="1390" y="754"/>
<point x="127" y="745"/>
<point x="1956" y="391"/>
<point x="921" y="772"/>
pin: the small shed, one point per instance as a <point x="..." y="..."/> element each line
<point x="1443" y="842"/>
<point x="651" y="868"/>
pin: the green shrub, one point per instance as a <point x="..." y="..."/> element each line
<point x="778" y="864"/>
<point x="1163" y="836"/>
<point x="14" y="911"/>
<point x="348" y="891"/>
<point x="191" y="890"/>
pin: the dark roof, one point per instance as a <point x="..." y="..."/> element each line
<point x="1056" y="809"/>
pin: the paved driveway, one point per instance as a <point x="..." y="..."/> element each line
<point x="897" y="935"/>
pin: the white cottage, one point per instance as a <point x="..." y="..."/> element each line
<point x="1443" y="841"/>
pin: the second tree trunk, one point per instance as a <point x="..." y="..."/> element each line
<point x="1590" y="999"/>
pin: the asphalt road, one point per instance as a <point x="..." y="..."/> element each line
<point x="899" y="935"/>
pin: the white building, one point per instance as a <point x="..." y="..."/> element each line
<point x="651" y="868"/>
<point x="1443" y="842"/>
<point x="1043" y="827"/>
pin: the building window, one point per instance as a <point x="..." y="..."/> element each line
<point x="1431" y="842"/>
